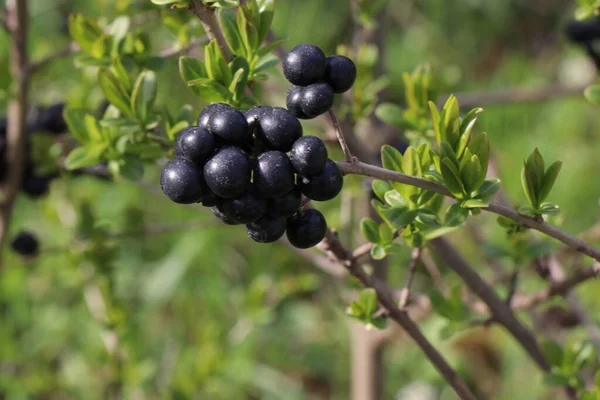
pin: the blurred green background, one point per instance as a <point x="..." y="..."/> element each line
<point x="195" y="310"/>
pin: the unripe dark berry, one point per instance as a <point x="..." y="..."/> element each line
<point x="25" y="244"/>
<point x="278" y="129"/>
<point x="324" y="186"/>
<point x="308" y="155"/>
<point x="209" y="111"/>
<point x="286" y="205"/>
<point x="266" y="229"/>
<point x="244" y="209"/>
<point x="292" y="102"/>
<point x="227" y="173"/>
<point x="274" y="174"/>
<point x="316" y="99"/>
<point x="304" y="64"/>
<point x="229" y="124"/>
<point x="196" y="144"/>
<point x="253" y="115"/>
<point x="181" y="180"/>
<point x="340" y="73"/>
<point x="221" y="216"/>
<point x="306" y="229"/>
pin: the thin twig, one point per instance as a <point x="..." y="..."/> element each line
<point x="211" y="27"/>
<point x="361" y="168"/>
<point x="17" y="20"/>
<point x="338" y="131"/>
<point x="412" y="268"/>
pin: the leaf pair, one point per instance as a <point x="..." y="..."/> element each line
<point x="537" y="182"/>
<point x="365" y="308"/>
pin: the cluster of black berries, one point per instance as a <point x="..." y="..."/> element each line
<point x="315" y="79"/>
<point x="253" y="168"/>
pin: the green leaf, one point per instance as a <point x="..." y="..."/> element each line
<point x="385" y="234"/>
<point x="269" y="47"/>
<point x="192" y="69"/>
<point x="266" y="9"/>
<point x="227" y="20"/>
<point x="452" y="178"/>
<point x="84" y="31"/>
<point x="487" y="190"/>
<point x="474" y="203"/>
<point x="119" y="27"/>
<point x="75" y="119"/>
<point x="436" y="118"/>
<point x="390" y="114"/>
<point x="428" y="218"/>
<point x="549" y="179"/>
<point x="122" y="74"/>
<point x="114" y="91"/>
<point x="210" y="90"/>
<point x="131" y="168"/>
<point x="451" y="121"/>
<point x="395" y="199"/>
<point x="528" y="187"/>
<point x="378" y="252"/>
<point x="380" y="188"/>
<point x="265" y="63"/>
<point x="553" y="352"/>
<point x="248" y="31"/>
<point x="391" y="158"/>
<point x="370" y="230"/>
<point x="556" y="379"/>
<point x="240" y="79"/>
<point x="535" y="171"/>
<point x="401" y="216"/>
<point x="549" y="209"/>
<point x="216" y="67"/>
<point x="368" y="299"/>
<point x="455" y="215"/>
<point x="144" y="94"/>
<point x="84" y="156"/>
<point x="592" y="94"/>
<point x="469" y="174"/>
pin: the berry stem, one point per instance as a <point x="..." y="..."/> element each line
<point x="412" y="268"/>
<point x="340" y="135"/>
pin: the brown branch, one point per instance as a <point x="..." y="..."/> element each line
<point x="412" y="268"/>
<point x="211" y="26"/>
<point x="333" y="246"/>
<point x="17" y="19"/>
<point x="340" y="136"/>
<point x="361" y="168"/>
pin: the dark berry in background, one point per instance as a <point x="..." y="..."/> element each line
<point x="306" y="229"/>
<point x="227" y="173"/>
<point x="229" y="124"/>
<point x="36" y="186"/>
<point x="221" y="216"/>
<point x="196" y="144"/>
<point x="50" y="119"/>
<point x="304" y="64"/>
<point x="25" y="244"/>
<point x="308" y="155"/>
<point x="181" y="180"/>
<point x="209" y="111"/>
<point x="292" y="102"/>
<point x="266" y="230"/>
<point x="274" y="174"/>
<point x="286" y="205"/>
<point x="316" y="99"/>
<point x="245" y="209"/>
<point x="278" y="129"/>
<point x="324" y="186"/>
<point x="340" y="73"/>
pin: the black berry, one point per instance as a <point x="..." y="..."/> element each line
<point x="316" y="99"/>
<point x="324" y="186"/>
<point x="266" y="229"/>
<point x="230" y="124"/>
<point x="196" y="144"/>
<point x="274" y="174"/>
<point x="209" y="111"/>
<point x="304" y="64"/>
<point x="253" y="115"/>
<point x="292" y="101"/>
<point x="285" y="206"/>
<point x="221" y="216"/>
<point x="308" y="155"/>
<point x="25" y="244"/>
<point x="278" y="129"/>
<point x="340" y="73"/>
<point x="181" y="180"/>
<point x="227" y="173"/>
<point x="209" y="199"/>
<point x="245" y="209"/>
<point x="306" y="229"/>
<point x="36" y="186"/>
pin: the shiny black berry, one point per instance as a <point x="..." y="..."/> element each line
<point x="278" y="129"/>
<point x="286" y="205"/>
<point x="229" y="124"/>
<point x="181" y="180"/>
<point x="316" y="99"/>
<point x="324" y="186"/>
<point x="308" y="155"/>
<point x="306" y="229"/>
<point x="304" y="64"/>
<point x="221" y="216"/>
<point x="340" y="73"/>
<point x="25" y="244"/>
<point x="227" y="173"/>
<point x="266" y="229"/>
<point x="292" y="102"/>
<point x="253" y="115"/>
<point x="196" y="144"/>
<point x="244" y="209"/>
<point x="274" y="174"/>
<point x="209" y="111"/>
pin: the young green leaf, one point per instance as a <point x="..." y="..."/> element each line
<point x="84" y="31"/>
<point x="266" y="9"/>
<point x="592" y="94"/>
<point x="391" y="158"/>
<point x="380" y="188"/>
<point x="401" y="216"/>
<point x="549" y="179"/>
<point x="144" y="94"/>
<point x="84" y="156"/>
<point x="370" y="230"/>
<point x="455" y="215"/>
<point x="436" y="118"/>
<point x="535" y="170"/>
<point x="75" y="119"/>
<point x="114" y="91"/>
<point x="227" y="20"/>
<point x="395" y="199"/>
<point x="452" y="178"/>
<point x="378" y="252"/>
<point x="487" y="190"/>
<point x="368" y="300"/>
<point x="390" y="114"/>
<point x="385" y="234"/>
<point x="528" y="187"/>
